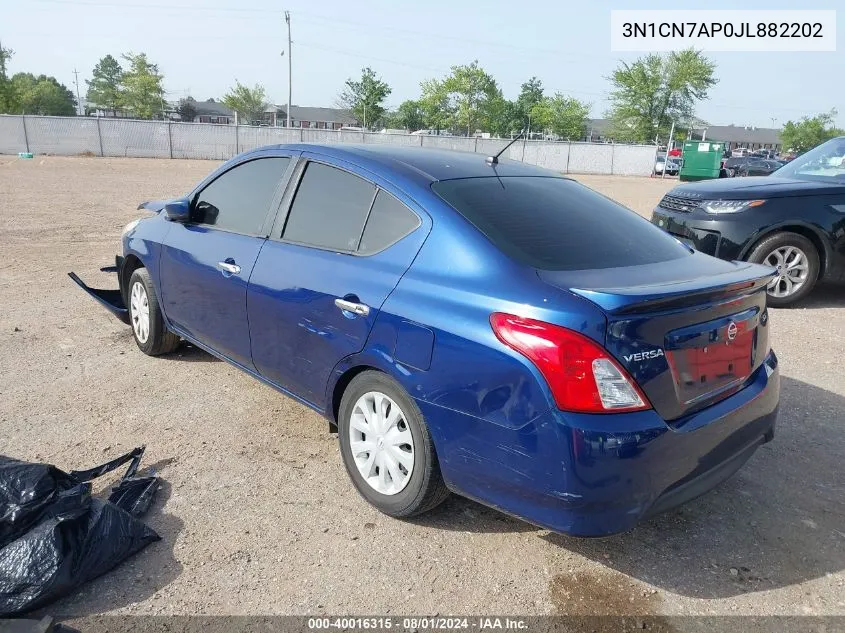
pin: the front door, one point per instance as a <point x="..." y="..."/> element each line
<point x="315" y="294"/>
<point x="205" y="264"/>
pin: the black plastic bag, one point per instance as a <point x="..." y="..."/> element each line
<point x="54" y="536"/>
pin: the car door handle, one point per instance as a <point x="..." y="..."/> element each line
<point x="229" y="267"/>
<point x="350" y="306"/>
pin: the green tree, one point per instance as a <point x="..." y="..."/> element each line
<point x="8" y="102"/>
<point x="142" y="90"/>
<point x="530" y="95"/>
<point x="42" y="95"/>
<point x="434" y="102"/>
<point x="655" y="90"/>
<point x="561" y="115"/>
<point x="503" y="117"/>
<point x="803" y="135"/>
<point x="468" y="97"/>
<point x="104" y="87"/>
<point x="409" y="116"/>
<point x="249" y="103"/>
<point x="186" y="109"/>
<point x="365" y="98"/>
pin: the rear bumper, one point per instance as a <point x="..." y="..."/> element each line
<point x="596" y="475"/>
<point x="111" y="300"/>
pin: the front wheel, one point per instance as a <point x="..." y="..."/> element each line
<point x="387" y="448"/>
<point x="151" y="335"/>
<point x="797" y="263"/>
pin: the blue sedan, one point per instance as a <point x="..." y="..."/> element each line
<point x="478" y="326"/>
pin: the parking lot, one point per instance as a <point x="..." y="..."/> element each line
<point x="256" y="513"/>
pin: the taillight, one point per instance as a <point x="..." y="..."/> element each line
<point x="581" y="374"/>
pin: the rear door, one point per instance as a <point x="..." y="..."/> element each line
<point x="206" y="263"/>
<point x="321" y="279"/>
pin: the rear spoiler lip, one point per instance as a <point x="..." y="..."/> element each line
<point x="634" y="299"/>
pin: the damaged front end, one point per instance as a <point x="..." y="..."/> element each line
<point x="111" y="300"/>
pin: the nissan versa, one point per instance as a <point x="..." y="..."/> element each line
<point x="489" y="328"/>
<point x="792" y="220"/>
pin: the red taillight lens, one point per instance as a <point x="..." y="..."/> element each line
<point x="581" y="374"/>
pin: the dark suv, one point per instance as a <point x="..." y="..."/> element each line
<point x="793" y="220"/>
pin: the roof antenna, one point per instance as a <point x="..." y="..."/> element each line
<point x="494" y="160"/>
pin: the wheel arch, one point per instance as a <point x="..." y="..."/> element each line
<point x="344" y="376"/>
<point x="131" y="263"/>
<point x="804" y="230"/>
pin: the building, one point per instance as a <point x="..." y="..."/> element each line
<point x="735" y="136"/>
<point x="308" y="117"/>
<point x="212" y="111"/>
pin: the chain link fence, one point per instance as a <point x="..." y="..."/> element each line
<point x="70" y="136"/>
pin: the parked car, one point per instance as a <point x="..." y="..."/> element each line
<point x="672" y="165"/>
<point x="757" y="167"/>
<point x="490" y="328"/>
<point x="792" y="220"/>
<point x="740" y="152"/>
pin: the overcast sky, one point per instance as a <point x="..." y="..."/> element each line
<point x="202" y="46"/>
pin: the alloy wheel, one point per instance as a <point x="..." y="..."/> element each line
<point x="793" y="269"/>
<point x="381" y="443"/>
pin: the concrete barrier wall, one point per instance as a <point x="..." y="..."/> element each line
<point x="69" y="136"/>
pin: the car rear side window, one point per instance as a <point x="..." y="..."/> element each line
<point x="330" y="208"/>
<point x="389" y="221"/>
<point x="557" y="223"/>
<point x="239" y="199"/>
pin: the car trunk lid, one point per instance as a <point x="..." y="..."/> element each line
<point x="689" y="331"/>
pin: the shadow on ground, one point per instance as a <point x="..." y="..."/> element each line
<point x="780" y="521"/>
<point x="825" y="296"/>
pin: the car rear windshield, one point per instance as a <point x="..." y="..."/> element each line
<point x="557" y="223"/>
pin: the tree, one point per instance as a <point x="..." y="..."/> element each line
<point x="800" y="136"/>
<point x="503" y="117"/>
<point x="105" y="86"/>
<point x="564" y="116"/>
<point x="186" y="109"/>
<point x="7" y="96"/>
<point x="655" y="90"/>
<point x="530" y="95"/>
<point x="468" y="97"/>
<point x="142" y="90"/>
<point x="42" y="95"/>
<point x="249" y="103"/>
<point x="364" y="98"/>
<point x="434" y="103"/>
<point x="409" y="116"/>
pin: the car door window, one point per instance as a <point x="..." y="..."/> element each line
<point x="239" y="199"/>
<point x="330" y="208"/>
<point x="389" y="221"/>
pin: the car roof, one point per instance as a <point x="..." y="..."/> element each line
<point x="425" y="164"/>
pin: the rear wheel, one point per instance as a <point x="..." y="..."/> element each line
<point x="151" y="335"/>
<point x="387" y="448"/>
<point x="797" y="262"/>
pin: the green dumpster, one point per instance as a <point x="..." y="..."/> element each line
<point x="702" y="160"/>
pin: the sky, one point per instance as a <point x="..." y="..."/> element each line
<point x="203" y="46"/>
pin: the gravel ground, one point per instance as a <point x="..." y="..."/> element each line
<point x="256" y="512"/>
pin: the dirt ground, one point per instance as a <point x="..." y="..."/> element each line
<point x="257" y="514"/>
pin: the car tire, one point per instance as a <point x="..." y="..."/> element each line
<point x="148" y="328"/>
<point x="783" y="251"/>
<point x="398" y="484"/>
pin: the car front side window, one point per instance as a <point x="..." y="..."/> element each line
<point x="240" y="198"/>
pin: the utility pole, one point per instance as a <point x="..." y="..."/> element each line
<point x="78" y="100"/>
<point x="290" y="68"/>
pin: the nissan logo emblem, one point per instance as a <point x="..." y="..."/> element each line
<point x="732" y="331"/>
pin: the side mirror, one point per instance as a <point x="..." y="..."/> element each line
<point x="178" y="210"/>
